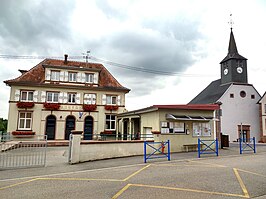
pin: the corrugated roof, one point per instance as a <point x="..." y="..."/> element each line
<point x="36" y="75"/>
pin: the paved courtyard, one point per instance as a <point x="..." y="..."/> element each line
<point x="227" y="176"/>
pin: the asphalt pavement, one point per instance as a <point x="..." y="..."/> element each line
<point x="230" y="175"/>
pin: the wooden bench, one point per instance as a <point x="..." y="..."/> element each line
<point x="194" y="147"/>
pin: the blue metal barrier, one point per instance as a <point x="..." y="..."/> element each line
<point x="247" y="145"/>
<point x="160" y="150"/>
<point x="204" y="147"/>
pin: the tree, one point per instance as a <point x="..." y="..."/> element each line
<point x="3" y="125"/>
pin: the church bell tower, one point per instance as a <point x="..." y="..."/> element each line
<point x="233" y="66"/>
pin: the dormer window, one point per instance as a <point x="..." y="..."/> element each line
<point x="72" y="77"/>
<point x="55" y="75"/>
<point x="89" y="77"/>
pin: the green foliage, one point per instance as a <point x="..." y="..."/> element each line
<point x="3" y="125"/>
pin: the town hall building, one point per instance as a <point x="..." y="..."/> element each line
<point x="239" y="111"/>
<point x="56" y="97"/>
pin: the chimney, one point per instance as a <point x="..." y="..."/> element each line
<point x="65" y="62"/>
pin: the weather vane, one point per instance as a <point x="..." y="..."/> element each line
<point x="231" y="22"/>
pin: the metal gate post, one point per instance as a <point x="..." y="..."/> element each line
<point x="240" y="145"/>
<point x="216" y="143"/>
<point x="168" y="150"/>
<point x="254" y="141"/>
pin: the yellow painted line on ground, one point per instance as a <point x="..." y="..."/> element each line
<point x="81" y="179"/>
<point x="261" y="175"/>
<point x="176" y="189"/>
<point x="16" y="184"/>
<point x="127" y="178"/>
<point x="242" y="185"/>
<point x="121" y="191"/>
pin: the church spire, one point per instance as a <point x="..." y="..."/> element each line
<point x="232" y="49"/>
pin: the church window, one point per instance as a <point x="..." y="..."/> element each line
<point x="232" y="95"/>
<point x="243" y="94"/>
<point x="252" y="96"/>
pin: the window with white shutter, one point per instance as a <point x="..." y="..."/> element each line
<point x="95" y="78"/>
<point x="17" y="95"/>
<point x="48" y="74"/>
<point x="43" y="96"/>
<point x="55" y="75"/>
<point x="111" y="100"/>
<point x="52" y="97"/>
<point x="35" y="96"/>
<point x="89" y="98"/>
<point x="78" y="98"/>
<point x="104" y="99"/>
<point x="26" y="96"/>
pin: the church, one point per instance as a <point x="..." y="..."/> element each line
<point x="239" y="112"/>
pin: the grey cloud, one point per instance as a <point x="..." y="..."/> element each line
<point x="170" y="49"/>
<point x="32" y="26"/>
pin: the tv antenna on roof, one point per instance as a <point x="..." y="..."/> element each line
<point x="86" y="55"/>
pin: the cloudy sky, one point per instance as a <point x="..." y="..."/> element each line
<point x="185" y="39"/>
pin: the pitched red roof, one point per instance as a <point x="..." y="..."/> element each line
<point x="36" y="75"/>
<point x="189" y="106"/>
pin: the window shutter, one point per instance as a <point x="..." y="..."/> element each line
<point x="104" y="99"/>
<point x="65" y="98"/>
<point x="48" y="74"/>
<point x="85" y="99"/>
<point x="43" y="96"/>
<point x="82" y="77"/>
<point x="61" y="77"/>
<point x="66" y="76"/>
<point x="118" y="100"/>
<point x="78" y="98"/>
<point x="17" y="95"/>
<point x="95" y="78"/>
<point x="60" y="97"/>
<point x="35" y="96"/>
<point x="93" y="98"/>
<point x="78" y="77"/>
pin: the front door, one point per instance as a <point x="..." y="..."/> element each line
<point x="50" y="127"/>
<point x="88" y="128"/>
<point x="70" y="125"/>
<point x="244" y="132"/>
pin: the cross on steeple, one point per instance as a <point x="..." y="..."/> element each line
<point x="231" y="21"/>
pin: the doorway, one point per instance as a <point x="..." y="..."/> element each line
<point x="88" y="128"/>
<point x="50" y="127"/>
<point x="244" y="132"/>
<point x="70" y="125"/>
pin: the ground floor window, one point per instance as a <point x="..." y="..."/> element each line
<point x="201" y="129"/>
<point x="110" y="122"/>
<point x="25" y="120"/>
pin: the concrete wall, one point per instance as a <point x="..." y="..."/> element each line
<point x="239" y="110"/>
<point x="88" y="151"/>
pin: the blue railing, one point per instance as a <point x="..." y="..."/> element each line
<point x="207" y="147"/>
<point x="158" y="150"/>
<point x="247" y="145"/>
